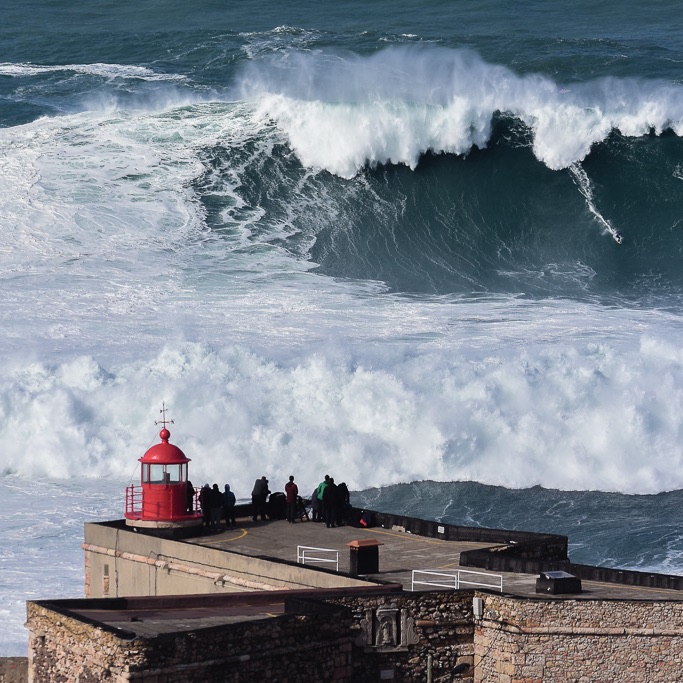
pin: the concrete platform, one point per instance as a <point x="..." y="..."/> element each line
<point x="400" y="554"/>
<point x="176" y="615"/>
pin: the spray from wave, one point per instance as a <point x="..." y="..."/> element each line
<point x="341" y="112"/>
<point x="591" y="417"/>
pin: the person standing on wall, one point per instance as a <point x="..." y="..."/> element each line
<point x="259" y="495"/>
<point x="319" y="495"/>
<point x="229" y="507"/>
<point x="291" y="492"/>
<point x="330" y="503"/>
<point x="216" y="498"/>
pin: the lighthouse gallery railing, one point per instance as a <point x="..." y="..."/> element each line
<point x="134" y="501"/>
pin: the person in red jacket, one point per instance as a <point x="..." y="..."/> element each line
<point x="291" y="492"/>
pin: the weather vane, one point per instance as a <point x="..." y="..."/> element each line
<point x="163" y="421"/>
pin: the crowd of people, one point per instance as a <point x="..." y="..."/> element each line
<point x="329" y="503"/>
<point x="214" y="504"/>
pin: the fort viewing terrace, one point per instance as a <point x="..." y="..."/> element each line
<point x="401" y="600"/>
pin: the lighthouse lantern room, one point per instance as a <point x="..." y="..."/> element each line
<point x="164" y="500"/>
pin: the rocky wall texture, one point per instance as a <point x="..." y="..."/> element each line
<point x="13" y="670"/>
<point x="62" y="649"/>
<point x="287" y="649"/>
<point x="434" y="635"/>
<point x="578" y="641"/>
<point x="402" y="637"/>
<point x="398" y="637"/>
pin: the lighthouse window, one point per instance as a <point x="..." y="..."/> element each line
<point x="163" y="474"/>
<point x="173" y="472"/>
<point x="156" y="474"/>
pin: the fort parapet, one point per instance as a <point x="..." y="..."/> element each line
<point x="238" y="606"/>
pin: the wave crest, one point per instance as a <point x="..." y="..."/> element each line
<point x="97" y="69"/>
<point x="342" y="112"/>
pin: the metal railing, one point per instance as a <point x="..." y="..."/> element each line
<point x="304" y="554"/>
<point x="133" y="500"/>
<point x="455" y="579"/>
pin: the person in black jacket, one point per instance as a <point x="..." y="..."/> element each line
<point x="189" y="492"/>
<point x="216" y="498"/>
<point x="205" y="504"/>
<point x="229" y="501"/>
<point x="343" y="504"/>
<point x="330" y="503"/>
<point x="259" y="496"/>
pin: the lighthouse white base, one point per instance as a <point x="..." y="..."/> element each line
<point x="168" y="529"/>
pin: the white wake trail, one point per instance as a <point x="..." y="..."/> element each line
<point x="583" y="182"/>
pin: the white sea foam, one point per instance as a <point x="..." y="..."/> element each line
<point x="104" y="70"/>
<point x="341" y="112"/>
<point x="573" y="415"/>
<point x="98" y="220"/>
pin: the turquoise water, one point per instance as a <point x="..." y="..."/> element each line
<point x="430" y="248"/>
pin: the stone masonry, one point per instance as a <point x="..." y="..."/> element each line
<point x="578" y="641"/>
<point x="400" y="637"/>
<point x="395" y="637"/>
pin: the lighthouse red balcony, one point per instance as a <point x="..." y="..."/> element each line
<point x="171" y="506"/>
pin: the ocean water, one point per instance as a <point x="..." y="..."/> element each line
<point x="432" y="249"/>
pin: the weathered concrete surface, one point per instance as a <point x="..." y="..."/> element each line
<point x="120" y="562"/>
<point x="262" y="556"/>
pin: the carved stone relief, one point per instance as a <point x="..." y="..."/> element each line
<point x="387" y="629"/>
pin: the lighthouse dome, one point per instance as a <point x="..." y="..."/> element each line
<point x="164" y="452"/>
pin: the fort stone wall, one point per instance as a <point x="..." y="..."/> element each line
<point x="578" y="641"/>
<point x="281" y="649"/>
<point x="13" y="670"/>
<point x="398" y="636"/>
<point x="357" y="639"/>
<point x="433" y="635"/>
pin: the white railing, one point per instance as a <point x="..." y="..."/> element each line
<point x="306" y="554"/>
<point x="455" y="579"/>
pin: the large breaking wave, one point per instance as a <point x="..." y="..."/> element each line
<point x="175" y="226"/>
<point x="343" y="111"/>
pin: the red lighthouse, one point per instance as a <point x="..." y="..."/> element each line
<point x="161" y="502"/>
